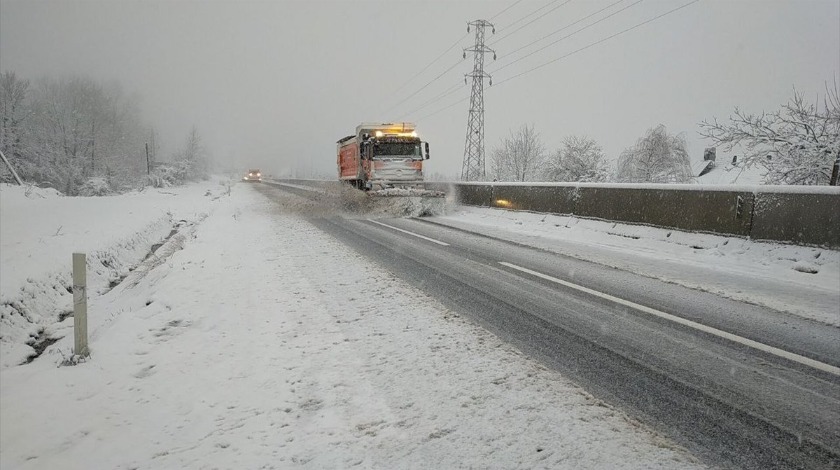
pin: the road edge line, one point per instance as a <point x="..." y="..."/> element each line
<point x="410" y="233"/>
<point x="685" y="322"/>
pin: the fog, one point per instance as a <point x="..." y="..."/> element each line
<point x="275" y="84"/>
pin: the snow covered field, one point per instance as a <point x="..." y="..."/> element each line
<point x="245" y="343"/>
<point x="40" y="229"/>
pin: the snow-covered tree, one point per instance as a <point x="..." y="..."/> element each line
<point x="797" y="144"/>
<point x="657" y="157"/>
<point x="193" y="150"/>
<point x="191" y="163"/>
<point x="83" y="129"/>
<point x="518" y="157"/>
<point x="13" y="92"/>
<point x="194" y="156"/>
<point x="579" y="159"/>
<point x="154" y="145"/>
<point x="62" y="132"/>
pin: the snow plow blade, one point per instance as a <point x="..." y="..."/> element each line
<point x="406" y="192"/>
<point x="406" y="202"/>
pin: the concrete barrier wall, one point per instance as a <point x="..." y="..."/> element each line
<point x="803" y="215"/>
<point x="716" y="211"/>
<point x="798" y="218"/>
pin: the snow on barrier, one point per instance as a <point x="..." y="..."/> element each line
<point x="794" y="214"/>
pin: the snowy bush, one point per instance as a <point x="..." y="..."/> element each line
<point x="170" y="174"/>
<point x="156" y="180"/>
<point x="95" y="186"/>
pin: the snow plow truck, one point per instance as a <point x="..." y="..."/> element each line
<point x="380" y="157"/>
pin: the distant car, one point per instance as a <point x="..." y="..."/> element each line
<point x="253" y="176"/>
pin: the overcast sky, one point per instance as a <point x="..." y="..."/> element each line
<point x="273" y="84"/>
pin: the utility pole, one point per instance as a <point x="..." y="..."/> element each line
<point x="148" y="162"/>
<point x="473" y="167"/>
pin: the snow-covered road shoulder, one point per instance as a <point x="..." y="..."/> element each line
<point x="265" y="343"/>
<point x="801" y="280"/>
<point x="39" y="231"/>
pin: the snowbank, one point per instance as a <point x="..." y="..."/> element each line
<point x="39" y="231"/>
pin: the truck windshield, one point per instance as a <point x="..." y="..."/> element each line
<point x="397" y="149"/>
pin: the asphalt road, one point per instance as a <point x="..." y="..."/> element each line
<point x="739" y="385"/>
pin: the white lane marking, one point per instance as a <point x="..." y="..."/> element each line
<point x="682" y="321"/>
<point x="410" y="233"/>
<point x="296" y="186"/>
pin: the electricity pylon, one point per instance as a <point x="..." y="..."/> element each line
<point x="473" y="167"/>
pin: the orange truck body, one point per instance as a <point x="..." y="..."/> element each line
<point x="382" y="155"/>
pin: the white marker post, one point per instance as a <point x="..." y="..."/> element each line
<point x="80" y="304"/>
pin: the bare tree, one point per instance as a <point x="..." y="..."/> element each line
<point x="657" y="157"/>
<point x="519" y="156"/>
<point x="579" y="159"/>
<point x="796" y="144"/>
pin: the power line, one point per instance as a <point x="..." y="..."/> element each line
<point x="438" y="111"/>
<point x="450" y="90"/>
<point x="437" y="98"/>
<point x="563" y="28"/>
<point x="529" y="14"/>
<point x="528" y="23"/>
<point x="442" y="95"/>
<point x="442" y="109"/>
<point x="506" y="9"/>
<point x="432" y="62"/>
<point x="424" y="86"/>
<point x="567" y="36"/>
<point x="598" y="42"/>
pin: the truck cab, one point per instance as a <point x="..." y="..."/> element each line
<point x="382" y="155"/>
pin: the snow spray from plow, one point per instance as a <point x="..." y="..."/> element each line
<point x="392" y="202"/>
<point x="352" y="202"/>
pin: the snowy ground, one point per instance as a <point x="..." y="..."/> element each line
<point x="40" y="230"/>
<point x="246" y="343"/>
